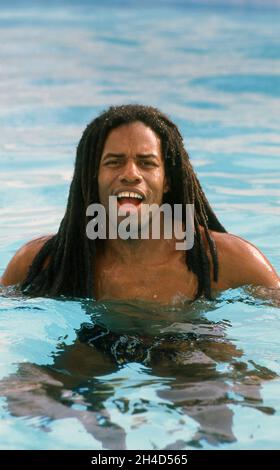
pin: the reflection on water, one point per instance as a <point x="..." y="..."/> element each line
<point x="132" y="375"/>
<point x="134" y="365"/>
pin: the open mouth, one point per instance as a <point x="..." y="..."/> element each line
<point x="127" y="199"/>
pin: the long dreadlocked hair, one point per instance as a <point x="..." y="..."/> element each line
<point x="71" y="254"/>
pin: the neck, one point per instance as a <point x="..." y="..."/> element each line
<point x="141" y="251"/>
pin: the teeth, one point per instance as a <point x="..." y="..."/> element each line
<point x="129" y="194"/>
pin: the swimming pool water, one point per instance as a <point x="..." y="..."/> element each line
<point x="76" y="374"/>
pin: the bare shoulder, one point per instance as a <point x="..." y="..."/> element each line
<point x="242" y="263"/>
<point x="17" y="268"/>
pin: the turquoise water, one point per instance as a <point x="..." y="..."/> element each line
<point x="84" y="375"/>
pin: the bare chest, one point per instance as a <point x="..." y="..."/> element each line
<point x="166" y="283"/>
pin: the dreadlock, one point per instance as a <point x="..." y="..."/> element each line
<point x="70" y="254"/>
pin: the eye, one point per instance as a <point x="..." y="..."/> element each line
<point x="148" y="163"/>
<point x="111" y="162"/>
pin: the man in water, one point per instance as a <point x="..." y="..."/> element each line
<point x="136" y="154"/>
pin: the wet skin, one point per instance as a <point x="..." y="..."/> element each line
<point x="150" y="270"/>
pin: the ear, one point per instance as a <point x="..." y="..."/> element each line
<point x="165" y="186"/>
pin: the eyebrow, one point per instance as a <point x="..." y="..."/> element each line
<point x="123" y="155"/>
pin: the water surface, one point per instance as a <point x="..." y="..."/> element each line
<point x="76" y="374"/>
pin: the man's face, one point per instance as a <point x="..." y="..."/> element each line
<point x="132" y="168"/>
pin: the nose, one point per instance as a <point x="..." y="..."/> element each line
<point x="130" y="173"/>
